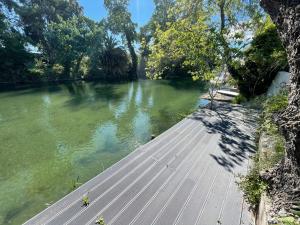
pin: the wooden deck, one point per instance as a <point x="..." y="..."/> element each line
<point x="185" y="176"/>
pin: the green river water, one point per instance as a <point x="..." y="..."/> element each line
<point x="53" y="137"/>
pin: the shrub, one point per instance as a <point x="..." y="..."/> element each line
<point x="58" y="68"/>
<point x="253" y="185"/>
<point x="276" y="103"/>
<point x="288" y="221"/>
<point x="239" y="99"/>
<point x="261" y="62"/>
<point x="273" y="105"/>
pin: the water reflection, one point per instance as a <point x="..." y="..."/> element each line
<point x="51" y="136"/>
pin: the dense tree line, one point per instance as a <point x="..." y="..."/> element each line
<point x="50" y="40"/>
<point x="199" y="39"/>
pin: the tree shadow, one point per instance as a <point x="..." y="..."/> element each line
<point x="235" y="132"/>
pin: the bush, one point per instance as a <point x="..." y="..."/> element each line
<point x="239" y="99"/>
<point x="57" y="69"/>
<point x="261" y="62"/>
<point x="276" y="103"/>
<point x="288" y="221"/>
<point x="273" y="105"/>
<point x="253" y="185"/>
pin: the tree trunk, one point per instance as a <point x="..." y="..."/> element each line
<point x="226" y="49"/>
<point x="134" y="60"/>
<point x="286" y="15"/>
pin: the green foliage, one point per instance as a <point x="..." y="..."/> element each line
<point x="114" y="61"/>
<point x="195" y="38"/>
<point x="100" y="221"/>
<point x="288" y="221"/>
<point x="35" y="15"/>
<point x="14" y="57"/>
<point x="252" y="185"/>
<point x="69" y="40"/>
<point x="183" y="48"/>
<point x="239" y="99"/>
<point x="262" y="60"/>
<point x="70" y="46"/>
<point x="119" y="21"/>
<point x="85" y="200"/>
<point x="276" y="103"/>
<point x="271" y="106"/>
<point x="67" y="44"/>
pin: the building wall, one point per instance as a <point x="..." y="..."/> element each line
<point x="281" y="80"/>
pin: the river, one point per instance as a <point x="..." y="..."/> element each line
<point x="53" y="138"/>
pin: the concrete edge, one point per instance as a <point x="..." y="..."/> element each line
<point x="261" y="213"/>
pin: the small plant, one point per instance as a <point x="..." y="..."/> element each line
<point x="85" y="200"/>
<point x="100" y="221"/>
<point x="253" y="185"/>
<point x="288" y="221"/>
<point x="239" y="99"/>
<point x="276" y="103"/>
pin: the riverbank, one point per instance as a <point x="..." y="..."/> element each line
<point x="185" y="175"/>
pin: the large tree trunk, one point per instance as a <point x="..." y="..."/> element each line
<point x="134" y="60"/>
<point x="286" y="15"/>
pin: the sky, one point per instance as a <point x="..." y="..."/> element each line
<point x="141" y="10"/>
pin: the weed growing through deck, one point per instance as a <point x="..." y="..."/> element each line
<point x="252" y="184"/>
<point x="100" y="221"/>
<point x="85" y="200"/>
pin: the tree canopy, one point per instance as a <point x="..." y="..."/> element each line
<point x="119" y="21"/>
<point x="52" y="40"/>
